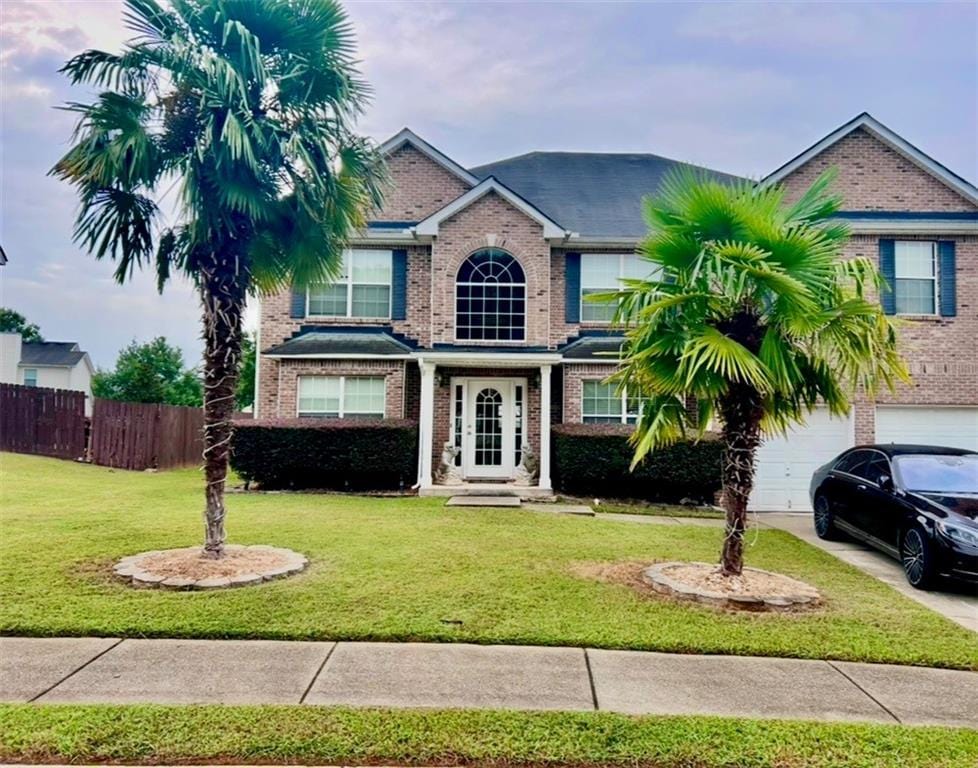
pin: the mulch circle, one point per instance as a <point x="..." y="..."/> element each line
<point x="188" y="568"/>
<point x="753" y="590"/>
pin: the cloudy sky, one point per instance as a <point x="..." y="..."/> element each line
<point x="739" y="87"/>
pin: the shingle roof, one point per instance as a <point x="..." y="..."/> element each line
<point x="64" y="353"/>
<point x="340" y="341"/>
<point x="593" y="194"/>
<point x="597" y="347"/>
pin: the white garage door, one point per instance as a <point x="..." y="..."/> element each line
<point x="785" y="465"/>
<point x="951" y="427"/>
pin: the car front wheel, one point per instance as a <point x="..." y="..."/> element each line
<point x="825" y="520"/>
<point x="915" y="554"/>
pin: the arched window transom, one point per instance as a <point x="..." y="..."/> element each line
<point x="490" y="298"/>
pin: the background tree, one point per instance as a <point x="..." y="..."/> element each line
<point x="248" y="106"/>
<point x="245" y="396"/>
<point x="153" y="372"/>
<point x="751" y="311"/>
<point x="12" y="321"/>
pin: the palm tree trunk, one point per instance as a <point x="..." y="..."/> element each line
<point x="222" y="290"/>
<point x="741" y="413"/>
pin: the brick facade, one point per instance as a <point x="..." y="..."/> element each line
<point x="874" y="177"/>
<point x="942" y="352"/>
<point x="418" y="186"/>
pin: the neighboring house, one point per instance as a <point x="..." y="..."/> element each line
<point x="462" y="306"/>
<point x="54" y="364"/>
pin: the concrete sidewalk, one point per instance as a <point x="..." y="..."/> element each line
<point x="106" y="670"/>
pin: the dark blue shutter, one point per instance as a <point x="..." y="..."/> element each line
<point x="399" y="285"/>
<point x="947" y="277"/>
<point x="572" y="288"/>
<point x="888" y="271"/>
<point x="297" y="308"/>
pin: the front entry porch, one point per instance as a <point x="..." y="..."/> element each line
<point x="484" y="425"/>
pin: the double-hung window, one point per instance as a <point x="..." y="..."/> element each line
<point x="915" y="291"/>
<point x="602" y="403"/>
<point x="603" y="273"/>
<point x="362" y="290"/>
<point x="342" y="397"/>
<point x="30" y="377"/>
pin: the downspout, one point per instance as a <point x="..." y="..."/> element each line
<point x="417" y="483"/>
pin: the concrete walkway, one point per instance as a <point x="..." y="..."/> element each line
<point x="91" y="670"/>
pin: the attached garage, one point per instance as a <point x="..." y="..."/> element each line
<point x="785" y="464"/>
<point x="953" y="427"/>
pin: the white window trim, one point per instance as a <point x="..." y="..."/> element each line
<point x="621" y="276"/>
<point x="342" y="410"/>
<point x="623" y="417"/>
<point x="936" y="280"/>
<point x="34" y="377"/>
<point x="350" y="254"/>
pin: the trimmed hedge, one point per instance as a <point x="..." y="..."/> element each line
<point x="593" y="460"/>
<point x="336" y="454"/>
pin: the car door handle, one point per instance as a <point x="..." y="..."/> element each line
<point x="860" y="487"/>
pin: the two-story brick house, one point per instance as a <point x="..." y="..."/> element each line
<point x="462" y="306"/>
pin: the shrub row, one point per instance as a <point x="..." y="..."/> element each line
<point x="593" y="460"/>
<point x="336" y="454"/>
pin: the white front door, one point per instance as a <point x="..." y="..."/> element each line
<point x="489" y="430"/>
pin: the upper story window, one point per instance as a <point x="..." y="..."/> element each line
<point x="490" y="298"/>
<point x="342" y="397"/>
<point x="362" y="290"/>
<point x="602" y="273"/>
<point x="30" y="377"/>
<point x="602" y="403"/>
<point x="915" y="291"/>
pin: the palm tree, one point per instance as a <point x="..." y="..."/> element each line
<point x="752" y="313"/>
<point x="247" y="107"/>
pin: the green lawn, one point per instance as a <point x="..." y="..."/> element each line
<point x="411" y="569"/>
<point x="328" y="736"/>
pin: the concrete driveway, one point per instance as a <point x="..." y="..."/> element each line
<point x="958" y="603"/>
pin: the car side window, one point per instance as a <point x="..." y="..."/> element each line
<point x="878" y="467"/>
<point x="853" y="461"/>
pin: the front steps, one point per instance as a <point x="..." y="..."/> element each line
<point x="518" y="492"/>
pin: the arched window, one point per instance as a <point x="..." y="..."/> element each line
<point x="490" y="298"/>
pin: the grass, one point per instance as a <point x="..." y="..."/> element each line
<point x="412" y="569"/>
<point x="315" y="735"/>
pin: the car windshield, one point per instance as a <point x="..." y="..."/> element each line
<point x="939" y="474"/>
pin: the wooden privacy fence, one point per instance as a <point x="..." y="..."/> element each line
<point x="47" y="422"/>
<point x="146" y="435"/>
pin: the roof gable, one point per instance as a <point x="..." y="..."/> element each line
<point x="407" y="136"/>
<point x="430" y="225"/>
<point x="872" y="126"/>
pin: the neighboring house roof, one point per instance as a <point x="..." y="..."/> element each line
<point x="429" y="226"/>
<point x="340" y="342"/>
<point x="592" y="194"/>
<point x="64" y="354"/>
<point x="598" y="347"/>
<point x="407" y="136"/>
<point x="873" y="126"/>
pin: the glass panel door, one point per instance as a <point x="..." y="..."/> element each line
<point x="489" y="435"/>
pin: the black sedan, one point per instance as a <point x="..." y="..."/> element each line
<point x="917" y="503"/>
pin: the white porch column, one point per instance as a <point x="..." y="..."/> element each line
<point x="545" y="427"/>
<point x="426" y="423"/>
